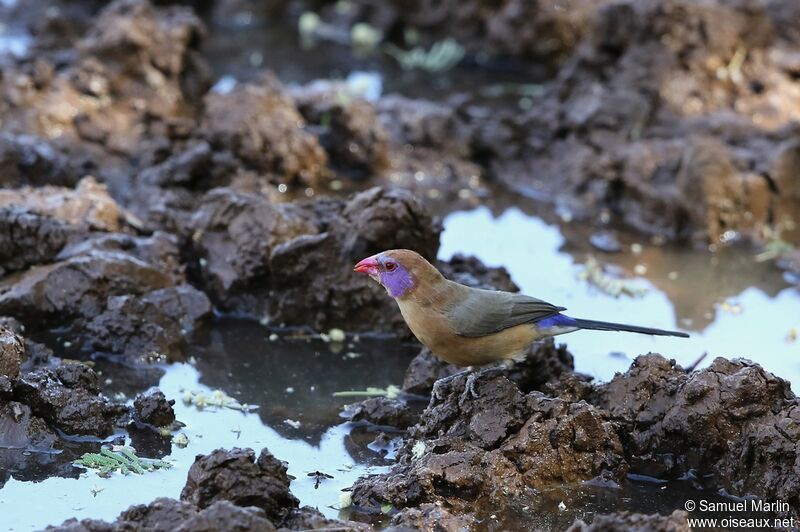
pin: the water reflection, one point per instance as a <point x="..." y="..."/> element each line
<point x="293" y="380"/>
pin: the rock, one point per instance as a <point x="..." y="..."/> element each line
<point x="543" y="368"/>
<point x="431" y="517"/>
<point x="348" y="130"/>
<point x="151" y="327"/>
<point x="716" y="419"/>
<point x="149" y="52"/>
<point x="29" y="160"/>
<point x="159" y="249"/>
<point x="166" y="515"/>
<point x="424" y="370"/>
<point x="88" y="206"/>
<point x="307" y="518"/>
<point x="237" y="476"/>
<point x="472" y="272"/>
<point x="28" y="238"/>
<point x="493" y="447"/>
<point x="677" y="521"/>
<point x="151" y="407"/>
<point x="77" y="287"/>
<point x="262" y="127"/>
<point x="381" y="411"/>
<point x="312" y="276"/>
<point x="20" y="429"/>
<point x="12" y="352"/>
<point x="294" y="262"/>
<point x="233" y="236"/>
<point x="68" y="398"/>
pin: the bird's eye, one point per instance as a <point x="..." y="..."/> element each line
<point x="391" y="266"/>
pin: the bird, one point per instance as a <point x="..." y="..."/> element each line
<point x="473" y="327"/>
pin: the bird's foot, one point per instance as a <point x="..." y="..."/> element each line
<point x="469" y="387"/>
<point x="436" y="391"/>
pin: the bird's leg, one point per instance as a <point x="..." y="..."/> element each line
<point x="443" y="380"/>
<point x="469" y="387"/>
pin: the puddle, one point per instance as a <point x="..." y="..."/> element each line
<point x="244" y="55"/>
<point x="238" y="357"/>
<point x="731" y="305"/>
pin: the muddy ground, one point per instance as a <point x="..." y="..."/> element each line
<point x="136" y="203"/>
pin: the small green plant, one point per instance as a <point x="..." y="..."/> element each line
<point x="774" y="244"/>
<point x="122" y="459"/>
<point x="443" y="56"/>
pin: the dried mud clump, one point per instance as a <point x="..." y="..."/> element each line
<point x="494" y="448"/>
<point x="293" y="262"/>
<point x="732" y="419"/>
<point x="68" y="398"/>
<point x="237" y="476"/>
<point x="677" y="521"/>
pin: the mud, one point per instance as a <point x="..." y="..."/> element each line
<point x="69" y="399"/>
<point x="675" y="522"/>
<point x="153" y="408"/>
<point x="12" y="350"/>
<point x="677" y="119"/>
<point x="732" y="421"/>
<point x="231" y="490"/>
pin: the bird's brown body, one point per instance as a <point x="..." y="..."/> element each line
<point x="429" y="324"/>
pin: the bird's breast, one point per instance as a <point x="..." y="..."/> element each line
<point x="433" y="329"/>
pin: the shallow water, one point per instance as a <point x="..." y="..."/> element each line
<point x="291" y="382"/>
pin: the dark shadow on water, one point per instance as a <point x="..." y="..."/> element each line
<point x="293" y="380"/>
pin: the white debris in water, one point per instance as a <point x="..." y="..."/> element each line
<point x="224" y="85"/>
<point x="368" y="85"/>
<point x="181" y="440"/>
<point x="640" y="269"/>
<point x="636" y="248"/>
<point x="345" y="500"/>
<point x="290" y="390"/>
<point x="292" y="423"/>
<point x="562" y="506"/>
<point x="337" y="335"/>
<point x="273" y="337"/>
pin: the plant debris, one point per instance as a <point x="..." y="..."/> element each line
<point x="443" y="56"/>
<point x="595" y="275"/>
<point x="390" y="392"/>
<point x="119" y="458"/>
<point x="217" y="399"/>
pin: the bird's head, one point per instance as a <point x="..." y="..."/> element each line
<point x="400" y="271"/>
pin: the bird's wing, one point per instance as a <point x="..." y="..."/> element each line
<point x="484" y="312"/>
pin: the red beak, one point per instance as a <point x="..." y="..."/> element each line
<point x="368" y="266"/>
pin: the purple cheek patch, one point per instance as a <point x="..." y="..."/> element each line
<point x="398" y="282"/>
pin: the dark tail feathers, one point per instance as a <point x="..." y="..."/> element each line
<point x="607" y="326"/>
